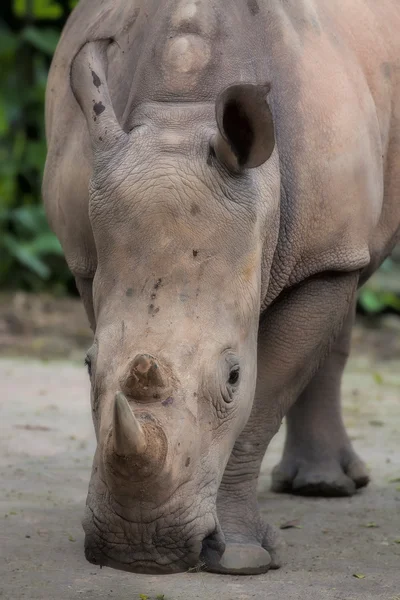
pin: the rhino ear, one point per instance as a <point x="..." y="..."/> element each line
<point x="89" y="84"/>
<point x="245" y="136"/>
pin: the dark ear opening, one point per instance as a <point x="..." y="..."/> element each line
<point x="238" y="130"/>
<point x="246" y="132"/>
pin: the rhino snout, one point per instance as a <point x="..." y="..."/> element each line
<point x="157" y="553"/>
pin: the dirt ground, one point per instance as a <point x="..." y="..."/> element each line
<point x="345" y="549"/>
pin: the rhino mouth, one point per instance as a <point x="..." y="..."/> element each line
<point x="192" y="547"/>
<point x="99" y="557"/>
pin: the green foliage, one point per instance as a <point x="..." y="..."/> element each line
<point x="376" y="301"/>
<point x="30" y="255"/>
<point x="382" y="291"/>
<point x="41" y="9"/>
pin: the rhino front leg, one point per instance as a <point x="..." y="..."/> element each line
<point x="295" y="335"/>
<point x="318" y="459"/>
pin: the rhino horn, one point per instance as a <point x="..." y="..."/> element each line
<point x="89" y="84"/>
<point x="128" y="436"/>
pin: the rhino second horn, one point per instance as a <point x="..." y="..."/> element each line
<point x="147" y="372"/>
<point x="128" y="436"/>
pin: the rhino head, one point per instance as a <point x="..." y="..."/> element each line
<point x="184" y="208"/>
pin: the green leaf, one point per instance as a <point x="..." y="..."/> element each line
<point x="46" y="243"/>
<point x="370" y="301"/>
<point x="35" y="155"/>
<point x="23" y="254"/>
<point x="4" y="125"/>
<point x="29" y="218"/>
<point x="358" y="575"/>
<point x="19" y="145"/>
<point x="377" y="378"/>
<point x="8" y="189"/>
<point x="42" y="9"/>
<point x="8" y="43"/>
<point x="45" y="40"/>
<point x="391" y="300"/>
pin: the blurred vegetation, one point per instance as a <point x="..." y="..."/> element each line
<point x="382" y="292"/>
<point x="31" y="256"/>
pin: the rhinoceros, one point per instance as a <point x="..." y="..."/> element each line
<point x="222" y="177"/>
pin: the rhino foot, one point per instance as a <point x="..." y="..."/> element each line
<point x="243" y="556"/>
<point x="328" y="477"/>
<point x="241" y="559"/>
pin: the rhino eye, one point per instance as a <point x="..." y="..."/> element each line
<point x="88" y="365"/>
<point x="234" y="375"/>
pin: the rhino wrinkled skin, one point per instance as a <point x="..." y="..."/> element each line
<point x="222" y="177"/>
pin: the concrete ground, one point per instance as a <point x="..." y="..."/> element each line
<point x="345" y="549"/>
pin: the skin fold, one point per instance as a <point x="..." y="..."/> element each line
<point x="222" y="182"/>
